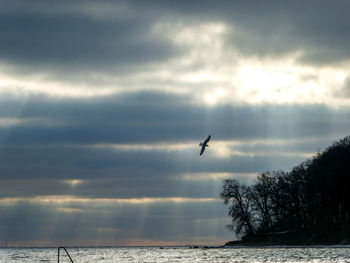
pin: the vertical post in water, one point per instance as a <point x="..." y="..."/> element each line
<point x="58" y="254"/>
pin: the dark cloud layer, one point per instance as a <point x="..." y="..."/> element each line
<point x="69" y="148"/>
<point x="274" y="28"/>
<point x="32" y="34"/>
<point x="157" y="117"/>
<point x="78" y="41"/>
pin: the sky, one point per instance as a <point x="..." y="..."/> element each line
<point x="103" y="105"/>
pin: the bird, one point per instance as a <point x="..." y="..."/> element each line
<point x="204" y="144"/>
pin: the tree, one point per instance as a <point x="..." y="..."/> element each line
<point x="266" y="200"/>
<point x="312" y="195"/>
<point x="237" y="195"/>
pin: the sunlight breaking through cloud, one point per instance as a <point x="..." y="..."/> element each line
<point x="74" y="199"/>
<point x="287" y="82"/>
<point x="147" y="147"/>
<point x="73" y="182"/>
<point x="215" y="176"/>
<point x="103" y="105"/>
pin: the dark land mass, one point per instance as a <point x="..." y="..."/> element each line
<point x="332" y="236"/>
<point x="310" y="205"/>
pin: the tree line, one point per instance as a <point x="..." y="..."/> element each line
<point x="314" y="194"/>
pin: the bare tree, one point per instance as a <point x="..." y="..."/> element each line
<point x="237" y="195"/>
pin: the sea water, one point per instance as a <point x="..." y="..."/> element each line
<point x="177" y="254"/>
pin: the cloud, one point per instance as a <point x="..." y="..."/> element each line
<point x="84" y="35"/>
<point x="228" y="53"/>
<point x="108" y="101"/>
<point x="343" y="91"/>
<point x="161" y="221"/>
<point x="313" y="29"/>
<point x="78" y="45"/>
<point x="76" y="40"/>
<point x="160" y="117"/>
<point x="140" y="145"/>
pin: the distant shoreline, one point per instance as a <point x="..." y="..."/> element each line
<point x="289" y="246"/>
<point x="311" y="238"/>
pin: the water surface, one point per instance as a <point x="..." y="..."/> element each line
<point x="184" y="255"/>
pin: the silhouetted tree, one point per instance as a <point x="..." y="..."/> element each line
<point x="240" y="210"/>
<point x="261" y="198"/>
<point x="313" y="194"/>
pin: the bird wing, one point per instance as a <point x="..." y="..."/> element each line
<point x="208" y="139"/>
<point x="202" y="150"/>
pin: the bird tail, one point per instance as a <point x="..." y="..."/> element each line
<point x="200" y="144"/>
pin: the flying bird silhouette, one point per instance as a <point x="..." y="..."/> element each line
<point x="204" y="144"/>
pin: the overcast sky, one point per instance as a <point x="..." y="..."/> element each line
<point x="103" y="105"/>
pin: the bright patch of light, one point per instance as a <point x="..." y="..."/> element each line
<point x="196" y="34"/>
<point x="69" y="210"/>
<point x="7" y="122"/>
<point x="73" y="182"/>
<point x="287" y="82"/>
<point x="10" y="122"/>
<point x="42" y="85"/>
<point x="214" y="97"/>
<point x="198" y="77"/>
<point x="64" y="199"/>
<point x="215" y="176"/>
<point x="224" y="149"/>
<point x="147" y="147"/>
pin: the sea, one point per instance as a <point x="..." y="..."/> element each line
<point x="178" y="254"/>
